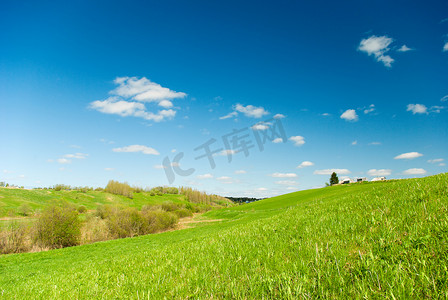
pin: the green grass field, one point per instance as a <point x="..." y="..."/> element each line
<point x="369" y="240"/>
<point x="11" y="199"/>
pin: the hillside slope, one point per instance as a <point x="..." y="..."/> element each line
<point x="387" y="239"/>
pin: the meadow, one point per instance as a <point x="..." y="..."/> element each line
<point x="369" y="240"/>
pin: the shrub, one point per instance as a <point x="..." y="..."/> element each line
<point x="24" y="209"/>
<point x="58" y="226"/>
<point x="82" y="209"/>
<point x="14" y="239"/>
<point x="126" y="222"/>
<point x="94" y="230"/>
<point x="183" y="212"/>
<point x="169" y="206"/>
<point x="118" y="188"/>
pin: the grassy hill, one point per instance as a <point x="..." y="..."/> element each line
<point x="12" y="199"/>
<point x="369" y="240"/>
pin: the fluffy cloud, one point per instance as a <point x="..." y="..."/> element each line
<point x="277" y="140"/>
<point x="417" y="108"/>
<point x="445" y="47"/>
<point x="298" y="140"/>
<point x="404" y="48"/>
<point x="408" y="155"/>
<point x="377" y="46"/>
<point x="350" y="115"/>
<point x="330" y="171"/>
<point x="261" y="126"/>
<point x="205" y="176"/>
<point x="283" y="175"/>
<point x="137" y="148"/>
<point x="129" y="97"/>
<point x="279" y="116"/>
<point x="251" y="111"/>
<point x="414" y="171"/>
<point x="436" y="109"/>
<point x="305" y="164"/>
<point x="226" y="152"/>
<point x="380" y="172"/>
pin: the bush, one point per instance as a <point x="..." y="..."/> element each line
<point x="24" y="209"/>
<point x="82" y="209"/>
<point x="94" y="230"/>
<point x="183" y="212"/>
<point x="14" y="239"/>
<point x="169" y="206"/>
<point x="58" y="226"/>
<point x="118" y="188"/>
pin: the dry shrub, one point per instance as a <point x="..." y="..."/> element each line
<point x="118" y="188"/>
<point x="14" y="239"/>
<point x="94" y="230"/>
<point x="183" y="212"/>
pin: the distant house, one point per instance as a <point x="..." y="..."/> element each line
<point x="345" y="181"/>
<point x="361" y="179"/>
<point x="379" y="178"/>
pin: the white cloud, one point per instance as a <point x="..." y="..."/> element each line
<point x="63" y="161"/>
<point x="261" y="126"/>
<point x="240" y="172"/>
<point x="436" y="109"/>
<point x="298" y="140"/>
<point x="414" y="171"/>
<point x="143" y="90"/>
<point x="354" y="143"/>
<point x="442" y="164"/>
<point x="404" y="48"/>
<point x="109" y="169"/>
<point x="277" y="140"/>
<point x="117" y="107"/>
<point x="408" y="155"/>
<point x="251" y="111"/>
<point x="287" y="182"/>
<point x="325" y="114"/>
<point x="226" y="152"/>
<point x="228" y="116"/>
<point x="434" y="161"/>
<point x="291" y="188"/>
<point x="445" y="47"/>
<point x="444" y="98"/>
<point x="76" y="155"/>
<point x="377" y="46"/>
<point x="305" y="164"/>
<point x="225" y="179"/>
<point x="417" y="108"/>
<point x="380" y="172"/>
<point x="350" y="115"/>
<point x="262" y="189"/>
<point x="205" y="176"/>
<point x="283" y="175"/>
<point x="279" y="116"/>
<point x="137" y="148"/>
<point x="370" y="109"/>
<point x="131" y="91"/>
<point x="166" y="104"/>
<point x="330" y="171"/>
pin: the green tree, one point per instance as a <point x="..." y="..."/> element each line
<point x="334" y="178"/>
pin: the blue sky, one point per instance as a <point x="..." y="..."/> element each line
<point x="109" y="90"/>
